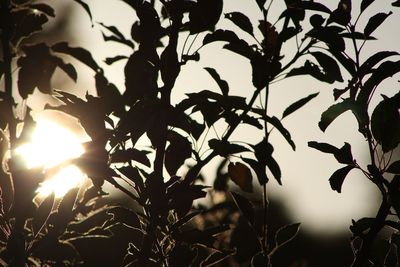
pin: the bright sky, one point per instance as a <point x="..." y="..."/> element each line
<point x="306" y="191"/>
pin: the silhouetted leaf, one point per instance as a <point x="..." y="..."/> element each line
<point x="245" y="207"/>
<point x="260" y="260"/>
<point x="368" y="64"/>
<point x="178" y="150"/>
<point x="323" y="147"/>
<point x="240" y="174"/>
<point x="169" y="65"/>
<point x="261" y="4"/>
<point x="361" y="225"/>
<point x="365" y="4"/>
<point x="279" y="126"/>
<point x="222" y="35"/>
<point x="133" y="175"/>
<point x="329" y="66"/>
<point x="184" y="220"/>
<point x="204" y="15"/>
<point x="311" y="5"/>
<point x="225" y="148"/>
<point x="240" y="20"/>
<point x="312" y="69"/>
<point x="329" y="35"/>
<point x="117" y="36"/>
<point x="79" y="53"/>
<point x="86" y="8"/>
<point x="384" y="71"/>
<point x="356" y="36"/>
<point x="337" y="178"/>
<point x="66" y="205"/>
<point x="259" y="169"/>
<point x="222" y="84"/>
<point x="374" y="22"/>
<point x="394" y="167"/>
<point x="111" y="60"/>
<point x="286" y="234"/>
<point x="297" y="105"/>
<point x="125" y="216"/>
<point x="396" y="3"/>
<point x="42" y="214"/>
<point x="342" y="155"/>
<point x="131" y="154"/>
<point x="333" y="112"/>
<point x="385" y="123"/>
<point x="26" y="22"/>
<point x="342" y="14"/>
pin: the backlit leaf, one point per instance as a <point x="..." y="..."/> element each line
<point x="240" y="174"/>
<point x="365" y="4"/>
<point x="374" y="22"/>
<point x="259" y="169"/>
<point x="329" y="66"/>
<point x="222" y="84"/>
<point x="337" y="178"/>
<point x="42" y="214"/>
<point x="298" y="104"/>
<point x="245" y="207"/>
<point x="240" y="20"/>
<point x="286" y="234"/>
<point x="79" y="53"/>
<point x="279" y="126"/>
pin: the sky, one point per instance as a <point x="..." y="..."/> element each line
<point x="305" y="192"/>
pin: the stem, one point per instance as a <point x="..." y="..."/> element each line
<point x="265" y="200"/>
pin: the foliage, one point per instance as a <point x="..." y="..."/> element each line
<point x="160" y="227"/>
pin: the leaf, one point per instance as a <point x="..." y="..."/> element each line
<point x="204" y="15"/>
<point x="342" y="155"/>
<point x="329" y="66"/>
<point x="365" y="4"/>
<point x="279" y="126"/>
<point x="329" y="115"/>
<point x="25" y="23"/>
<point x="240" y="174"/>
<point x="356" y="36"/>
<point x="65" y="208"/>
<point x="337" y="178"/>
<point x="129" y="154"/>
<point x="261" y="4"/>
<point x="240" y="20"/>
<point x="342" y="14"/>
<point x="323" y="147"/>
<point x="245" y="206"/>
<point x="259" y="169"/>
<point x="396" y="3"/>
<point x="42" y="214"/>
<point x="117" y="36"/>
<point x="222" y="84"/>
<point x="298" y="104"/>
<point x="394" y="167"/>
<point x="178" y="150"/>
<point x="286" y="233"/>
<point x="311" y="5"/>
<point x="111" y="60"/>
<point x="368" y="64"/>
<point x="385" y="123"/>
<point x="225" y="148"/>
<point x="263" y="152"/>
<point x="357" y="228"/>
<point x="86" y="8"/>
<point x="79" y="53"/>
<point x="124" y="215"/>
<point x="374" y="22"/>
<point x="329" y="35"/>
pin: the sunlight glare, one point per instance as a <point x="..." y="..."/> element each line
<point x="50" y="145"/>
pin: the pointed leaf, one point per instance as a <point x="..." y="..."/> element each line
<point x="329" y="66"/>
<point x="394" y="167"/>
<point x="337" y="178"/>
<point x="65" y="208"/>
<point x="298" y="104"/>
<point x="48" y="10"/>
<point x="42" y="214"/>
<point x="286" y="234"/>
<point x="240" y="20"/>
<point x="124" y="215"/>
<point x="260" y="260"/>
<point x="374" y="22"/>
<point x="86" y="8"/>
<point x="368" y="65"/>
<point x="279" y="126"/>
<point x="259" y="169"/>
<point x="225" y="148"/>
<point x="396" y="4"/>
<point x="385" y="123"/>
<point x="240" y="174"/>
<point x="223" y="85"/>
<point x="365" y="4"/>
<point x="245" y="207"/>
<point x="79" y="53"/>
<point x="323" y="147"/>
<point x="333" y="112"/>
<point x="261" y="4"/>
<point x="178" y="150"/>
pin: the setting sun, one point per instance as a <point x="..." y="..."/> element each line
<point x="52" y="146"/>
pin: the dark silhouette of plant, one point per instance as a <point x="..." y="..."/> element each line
<point x="159" y="228"/>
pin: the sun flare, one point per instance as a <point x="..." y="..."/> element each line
<point x="51" y="145"/>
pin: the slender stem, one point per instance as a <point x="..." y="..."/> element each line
<point x="265" y="200"/>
